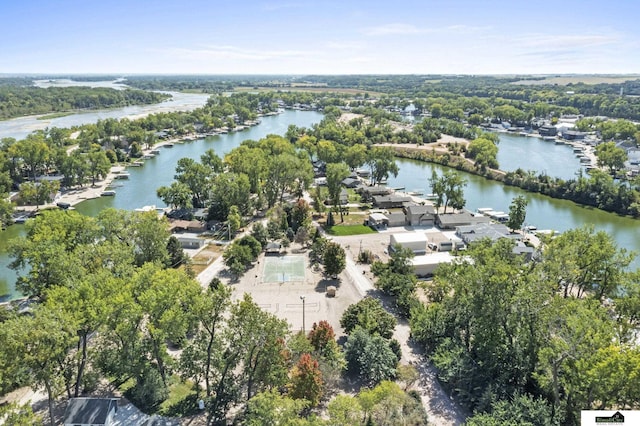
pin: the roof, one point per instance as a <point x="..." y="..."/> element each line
<point x="377" y="217"/>
<point x="89" y="411"/>
<point x="391" y="199"/>
<point x="419" y="209"/>
<point x="410" y="237"/>
<point x="432" y="258"/>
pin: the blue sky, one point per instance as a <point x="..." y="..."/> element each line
<point x="319" y="37"/>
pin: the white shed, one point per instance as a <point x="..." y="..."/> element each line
<point x="425" y="265"/>
<point x="416" y="241"/>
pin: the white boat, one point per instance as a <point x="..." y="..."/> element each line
<point x="122" y="175"/>
<point x="146" y="209"/>
<point x="108" y="193"/>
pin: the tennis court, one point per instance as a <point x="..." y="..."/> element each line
<point x="283" y="269"/>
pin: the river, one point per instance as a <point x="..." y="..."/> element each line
<point x="19" y="128"/>
<point x="542" y="211"/>
<point x="140" y="189"/>
<point x="514" y="151"/>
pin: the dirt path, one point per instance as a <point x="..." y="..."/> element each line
<point x="441" y="409"/>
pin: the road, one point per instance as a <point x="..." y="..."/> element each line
<point x="441" y="409"/>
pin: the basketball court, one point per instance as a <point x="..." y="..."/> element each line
<point x="283" y="269"/>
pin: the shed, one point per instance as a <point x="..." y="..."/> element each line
<point x="273" y="247"/>
<point x="425" y="265"/>
<point x="377" y="220"/>
<point x="90" y="411"/>
<point x="190" y="242"/>
<point x="415" y="241"/>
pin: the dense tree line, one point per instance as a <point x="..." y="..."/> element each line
<point x="499" y="325"/>
<point x="19" y="101"/>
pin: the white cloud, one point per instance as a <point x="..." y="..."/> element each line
<point x="546" y="41"/>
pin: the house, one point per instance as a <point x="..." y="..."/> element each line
<point x="90" y="412"/>
<point x="186" y="226"/>
<point x="547" y="130"/>
<point x="390" y="201"/>
<point x="478" y="231"/>
<point x="190" y="241"/>
<point x="396" y="219"/>
<point x="351" y="182"/>
<point x="453" y="220"/>
<point x="573" y="135"/>
<point x="420" y="215"/>
<point x="415" y="241"/>
<point x="368" y="192"/>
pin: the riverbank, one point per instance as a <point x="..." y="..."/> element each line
<point x="618" y="198"/>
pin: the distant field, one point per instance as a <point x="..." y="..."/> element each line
<point x="586" y="79"/>
<point x="306" y="89"/>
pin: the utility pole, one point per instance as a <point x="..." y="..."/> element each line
<point x="302" y="298"/>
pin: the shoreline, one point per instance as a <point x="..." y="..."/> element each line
<point x="77" y="195"/>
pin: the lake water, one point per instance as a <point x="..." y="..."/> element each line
<point x="514" y="151"/>
<point x="531" y="153"/>
<point x="19" y="128"/>
<point x="140" y="189"/>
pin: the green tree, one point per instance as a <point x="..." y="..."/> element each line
<point x="382" y="163"/>
<point x="98" y="164"/>
<point x="517" y="213"/>
<point x="370" y="357"/>
<point x="336" y="173"/>
<point x="177" y="195"/>
<point x="370" y="315"/>
<point x="610" y="156"/>
<point x="484" y="152"/>
<point x="271" y="408"/>
<point x="334" y="259"/>
<point x="38" y="193"/>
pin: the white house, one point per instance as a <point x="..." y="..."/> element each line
<point x="415" y="241"/>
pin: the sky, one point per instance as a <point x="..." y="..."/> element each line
<point x="319" y="37"/>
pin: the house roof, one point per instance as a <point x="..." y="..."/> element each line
<point x="419" y="209"/>
<point x="410" y="237"/>
<point x="377" y="217"/>
<point x="391" y="199"/>
<point x="89" y="411"/>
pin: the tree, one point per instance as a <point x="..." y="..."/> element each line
<point x="336" y="173"/>
<point x="382" y="163"/>
<point x="40" y="344"/>
<point x="228" y="190"/>
<point x="98" y="164"/>
<point x="196" y="177"/>
<point x="175" y="252"/>
<point x="370" y="357"/>
<point x="356" y="156"/>
<point x="271" y="408"/>
<point x="484" y="152"/>
<point x="234" y="220"/>
<point x="334" y="259"/>
<point x="177" y="195"/>
<point x="370" y="315"/>
<point x="610" y="156"/>
<point x="517" y="213"/>
<point x="320" y="335"/>
<point x="306" y="380"/>
<point x="37" y="193"/>
<point x="449" y="189"/>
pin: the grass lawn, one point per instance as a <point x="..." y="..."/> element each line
<point x="344" y="230"/>
<point x="182" y="400"/>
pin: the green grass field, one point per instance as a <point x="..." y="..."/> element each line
<point x="283" y="269"/>
<point x="344" y="230"/>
